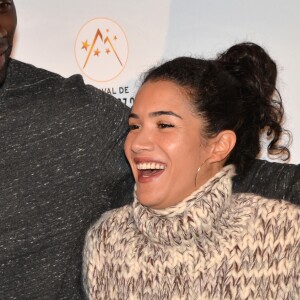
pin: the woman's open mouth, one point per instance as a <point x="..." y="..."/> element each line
<point x="148" y="170"/>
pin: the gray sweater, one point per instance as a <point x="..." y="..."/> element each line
<point x="271" y="180"/>
<point x="61" y="164"/>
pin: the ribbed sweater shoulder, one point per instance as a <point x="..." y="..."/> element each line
<point x="111" y="226"/>
<point x="267" y="208"/>
<point x="273" y="223"/>
<point x="46" y="84"/>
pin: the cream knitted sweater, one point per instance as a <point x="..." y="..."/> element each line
<point x="212" y="245"/>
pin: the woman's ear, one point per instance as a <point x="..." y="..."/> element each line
<point x="221" y="146"/>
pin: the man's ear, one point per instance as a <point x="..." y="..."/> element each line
<point x="221" y="146"/>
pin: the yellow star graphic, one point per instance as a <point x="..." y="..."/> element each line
<point x="97" y="52"/>
<point x="115" y="37"/>
<point x="85" y="45"/>
<point x="107" y="51"/>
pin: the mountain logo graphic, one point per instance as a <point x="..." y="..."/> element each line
<point x="101" y="49"/>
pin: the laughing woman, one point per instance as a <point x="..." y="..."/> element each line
<point x="196" y="123"/>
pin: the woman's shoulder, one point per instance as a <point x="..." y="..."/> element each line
<point x="271" y="215"/>
<point x="111" y="220"/>
<point x="104" y="233"/>
<point x="272" y="207"/>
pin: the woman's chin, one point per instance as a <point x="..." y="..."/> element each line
<point x="147" y="201"/>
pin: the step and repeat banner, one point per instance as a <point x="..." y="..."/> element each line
<point x="112" y="42"/>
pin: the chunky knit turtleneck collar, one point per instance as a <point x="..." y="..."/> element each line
<point x="198" y="216"/>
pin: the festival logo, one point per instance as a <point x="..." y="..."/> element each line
<point x="101" y="49"/>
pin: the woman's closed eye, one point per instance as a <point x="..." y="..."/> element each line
<point x="165" y="125"/>
<point x="133" y="127"/>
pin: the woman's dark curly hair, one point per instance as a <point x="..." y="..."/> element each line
<point x="233" y="92"/>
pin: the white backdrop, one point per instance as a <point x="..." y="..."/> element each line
<point x="61" y="35"/>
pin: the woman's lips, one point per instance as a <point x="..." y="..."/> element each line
<point x="148" y="169"/>
<point x="148" y="175"/>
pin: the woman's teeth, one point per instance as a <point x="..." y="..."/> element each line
<point x="150" y="166"/>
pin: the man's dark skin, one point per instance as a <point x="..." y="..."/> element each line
<point x="8" y="23"/>
<point x="273" y="180"/>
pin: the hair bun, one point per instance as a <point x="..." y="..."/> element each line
<point x="250" y="64"/>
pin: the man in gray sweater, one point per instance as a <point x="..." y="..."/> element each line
<point x="61" y="166"/>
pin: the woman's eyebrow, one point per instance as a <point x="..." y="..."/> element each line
<point x="134" y="116"/>
<point x="156" y="114"/>
<point x="164" y="112"/>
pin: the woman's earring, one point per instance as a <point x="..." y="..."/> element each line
<point x="197" y="176"/>
<point x="199" y="170"/>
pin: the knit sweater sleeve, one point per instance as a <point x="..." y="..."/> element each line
<point x="93" y="250"/>
<point x="289" y="222"/>
<point x="99" y="245"/>
<point x="292" y="230"/>
<point x="297" y="258"/>
<point x="274" y="236"/>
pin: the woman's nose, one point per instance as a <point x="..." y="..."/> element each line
<point x="142" y="141"/>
